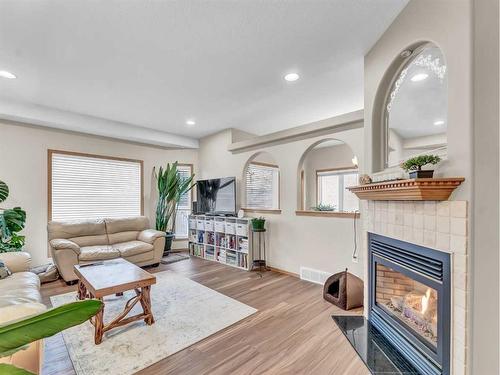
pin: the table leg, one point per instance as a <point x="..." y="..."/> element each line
<point x="99" y="325"/>
<point x="82" y="290"/>
<point x="146" y="304"/>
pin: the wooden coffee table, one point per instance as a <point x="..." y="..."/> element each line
<point x="115" y="276"/>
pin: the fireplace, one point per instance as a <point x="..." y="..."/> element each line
<point x="409" y="300"/>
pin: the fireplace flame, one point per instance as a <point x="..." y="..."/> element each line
<point x="425" y="301"/>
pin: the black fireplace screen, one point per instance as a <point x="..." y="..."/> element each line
<point x="409" y="300"/>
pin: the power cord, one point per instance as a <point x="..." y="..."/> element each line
<point x="355" y="252"/>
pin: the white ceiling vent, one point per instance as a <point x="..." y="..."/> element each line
<point x="314" y="276"/>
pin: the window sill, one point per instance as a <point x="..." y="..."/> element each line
<point x="327" y="214"/>
<point x="262" y="210"/>
<point x="181" y="239"/>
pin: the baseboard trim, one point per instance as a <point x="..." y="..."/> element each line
<point x="288" y="273"/>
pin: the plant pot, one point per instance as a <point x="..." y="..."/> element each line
<point x="168" y="242"/>
<point x="421" y="174"/>
<point x="258" y="224"/>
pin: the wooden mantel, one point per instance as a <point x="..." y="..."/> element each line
<point x="418" y="189"/>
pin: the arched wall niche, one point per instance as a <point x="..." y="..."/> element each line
<point x="261" y="183"/>
<point x="420" y="132"/>
<point x="325" y="160"/>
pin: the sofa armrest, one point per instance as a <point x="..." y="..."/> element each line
<point x="17" y="261"/>
<point x="150" y="235"/>
<point x="62" y="244"/>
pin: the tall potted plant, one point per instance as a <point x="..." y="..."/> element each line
<point x="171" y="187"/>
<point x="12" y="221"/>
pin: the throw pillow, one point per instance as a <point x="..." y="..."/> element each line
<point x="4" y="271"/>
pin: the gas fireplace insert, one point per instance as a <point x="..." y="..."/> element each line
<point x="409" y="300"/>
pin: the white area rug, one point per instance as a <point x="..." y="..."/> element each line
<point x="185" y="312"/>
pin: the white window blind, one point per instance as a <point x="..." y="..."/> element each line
<point x="87" y="187"/>
<point x="184" y="206"/>
<point x="332" y="190"/>
<point x="262" y="186"/>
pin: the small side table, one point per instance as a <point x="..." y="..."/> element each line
<point x="260" y="262"/>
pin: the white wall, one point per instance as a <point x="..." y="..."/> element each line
<point x="338" y="156"/>
<point x="293" y="241"/>
<point x="23" y="166"/>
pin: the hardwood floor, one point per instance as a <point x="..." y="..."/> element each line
<point x="292" y="333"/>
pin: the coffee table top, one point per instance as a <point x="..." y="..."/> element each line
<point x="113" y="276"/>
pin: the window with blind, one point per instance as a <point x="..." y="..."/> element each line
<point x="184" y="206"/>
<point x="262" y="186"/>
<point x="92" y="187"/>
<point x="332" y="189"/>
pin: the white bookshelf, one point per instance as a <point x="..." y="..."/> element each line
<point x="226" y="240"/>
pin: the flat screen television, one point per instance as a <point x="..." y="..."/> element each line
<point x="217" y="196"/>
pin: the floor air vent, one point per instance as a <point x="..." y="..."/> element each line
<point x="314" y="276"/>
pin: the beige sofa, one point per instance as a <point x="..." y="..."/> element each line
<point x="20" y="297"/>
<point x="79" y="242"/>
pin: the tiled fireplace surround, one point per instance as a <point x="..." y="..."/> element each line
<point x="438" y="225"/>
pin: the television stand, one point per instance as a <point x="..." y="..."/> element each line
<point x="221" y="239"/>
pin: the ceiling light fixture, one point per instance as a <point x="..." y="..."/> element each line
<point x="291" y="77"/>
<point x="439" y="122"/>
<point x="190" y="122"/>
<point x="6" y="74"/>
<point x="419" y="77"/>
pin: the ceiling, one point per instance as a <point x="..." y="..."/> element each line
<point x="120" y="67"/>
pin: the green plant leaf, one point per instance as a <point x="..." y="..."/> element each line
<point x="4" y="191"/>
<point x="48" y="323"/>
<point x="6" y="369"/>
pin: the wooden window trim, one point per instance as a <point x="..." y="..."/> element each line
<point x="327" y="214"/>
<point x="261" y="210"/>
<point x="51" y="152"/>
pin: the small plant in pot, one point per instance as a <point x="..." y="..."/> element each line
<point x="258" y="224"/>
<point x="171" y="187"/>
<point x="414" y="165"/>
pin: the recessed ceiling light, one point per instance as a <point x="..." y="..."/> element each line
<point x="190" y="122"/>
<point x="6" y="74"/>
<point x="290" y="77"/>
<point x="419" y="77"/>
<point x="439" y="122"/>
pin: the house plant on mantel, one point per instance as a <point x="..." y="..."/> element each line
<point x="171" y="187"/>
<point x="12" y="221"/>
<point x="414" y="165"/>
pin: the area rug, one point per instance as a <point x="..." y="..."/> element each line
<point x="185" y="312"/>
<point x="174" y="257"/>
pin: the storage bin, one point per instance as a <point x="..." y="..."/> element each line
<point x="220" y="226"/>
<point x="230" y="227"/>
<point x="209" y="225"/>
<point x="200" y="224"/>
<point x="242" y="229"/>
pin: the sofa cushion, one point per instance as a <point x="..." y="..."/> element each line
<point x="123" y="236"/>
<point x="99" y="252"/>
<point x="131" y="248"/>
<point x="101" y="239"/>
<point x="19" y="311"/>
<point x="75" y="228"/>
<point x="20" y="287"/>
<point x="126" y="224"/>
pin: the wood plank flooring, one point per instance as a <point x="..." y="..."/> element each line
<point x="292" y="333"/>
